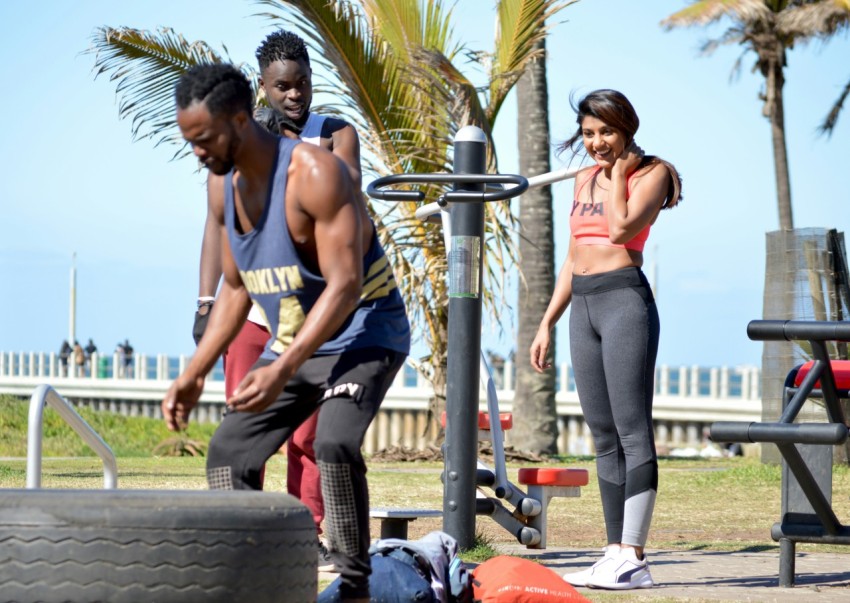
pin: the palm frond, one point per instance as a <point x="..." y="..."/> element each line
<point x="831" y="118"/>
<point x="705" y="12"/>
<point x="735" y="72"/>
<point x="814" y="19"/>
<point x="733" y="35"/>
<point x="146" y="66"/>
<point x="447" y="90"/>
<point x="521" y="24"/>
<point x="402" y="24"/>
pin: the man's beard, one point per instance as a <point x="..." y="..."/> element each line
<point x="224" y="166"/>
<point x="220" y="168"/>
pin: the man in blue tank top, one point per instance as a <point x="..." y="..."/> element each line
<point x="286" y="79"/>
<point x="300" y="249"/>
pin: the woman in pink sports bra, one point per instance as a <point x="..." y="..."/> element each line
<point x="614" y="325"/>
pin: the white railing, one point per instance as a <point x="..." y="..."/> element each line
<point x="45" y="395"/>
<point x="687" y="401"/>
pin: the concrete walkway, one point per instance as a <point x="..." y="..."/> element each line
<point x="714" y="576"/>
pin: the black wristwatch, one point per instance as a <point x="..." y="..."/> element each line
<point x="205" y="303"/>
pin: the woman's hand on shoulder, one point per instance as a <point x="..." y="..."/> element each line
<point x="629" y="160"/>
<point x="648" y="190"/>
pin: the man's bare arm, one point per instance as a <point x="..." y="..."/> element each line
<point x="210" y="265"/>
<point x="346" y="146"/>
<point x="233" y="302"/>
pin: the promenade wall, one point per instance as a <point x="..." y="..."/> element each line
<point x="687" y="400"/>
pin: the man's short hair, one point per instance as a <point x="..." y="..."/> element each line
<point x="222" y="87"/>
<point x="281" y="45"/>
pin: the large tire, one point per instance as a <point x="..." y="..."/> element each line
<point x="137" y="546"/>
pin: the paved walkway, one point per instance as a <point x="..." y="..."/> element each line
<point x="711" y="575"/>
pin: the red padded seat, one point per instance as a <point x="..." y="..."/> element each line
<point x="505" y="418"/>
<point x="840" y="368"/>
<point x="547" y="476"/>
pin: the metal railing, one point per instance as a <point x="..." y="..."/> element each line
<point x="43" y="395"/>
<point x="741" y="382"/>
<point x="687" y="399"/>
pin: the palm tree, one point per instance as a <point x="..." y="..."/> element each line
<point x="769" y="28"/>
<point x="391" y="68"/>
<point x="536" y="419"/>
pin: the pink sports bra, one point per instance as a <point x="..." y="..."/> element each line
<point x="589" y="225"/>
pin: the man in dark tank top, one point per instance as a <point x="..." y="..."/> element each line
<point x="286" y="80"/>
<point x="299" y="249"/>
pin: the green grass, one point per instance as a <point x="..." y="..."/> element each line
<point x="703" y="504"/>
<point x="127" y="436"/>
<point x="481" y="550"/>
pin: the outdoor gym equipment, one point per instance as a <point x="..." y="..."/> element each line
<point x="464" y="233"/>
<point x="527" y="520"/>
<point x="806" y="448"/>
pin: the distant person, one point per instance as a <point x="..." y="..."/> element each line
<point x="65" y="351"/>
<point x="614" y="325"/>
<point x="90" y="350"/>
<point x="285" y="76"/>
<point x="118" y="369"/>
<point x="79" y="360"/>
<point x="128" y="359"/>
<point x="302" y="248"/>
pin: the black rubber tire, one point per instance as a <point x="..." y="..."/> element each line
<point x="137" y="546"/>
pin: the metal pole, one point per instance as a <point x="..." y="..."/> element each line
<point x="72" y="319"/>
<point x="464" y="345"/>
<point x="787" y="562"/>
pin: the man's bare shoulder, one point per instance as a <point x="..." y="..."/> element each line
<point x="345" y="139"/>
<point x="318" y="179"/>
<point x="310" y="158"/>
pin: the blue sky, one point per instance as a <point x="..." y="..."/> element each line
<point x="75" y="182"/>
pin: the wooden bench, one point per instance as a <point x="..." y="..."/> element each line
<point x="394" y="522"/>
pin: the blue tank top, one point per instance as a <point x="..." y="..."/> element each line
<point x="284" y="289"/>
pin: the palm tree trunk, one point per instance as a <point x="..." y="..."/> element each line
<point x="776" y="115"/>
<point x="535" y="418"/>
<point x="778" y="292"/>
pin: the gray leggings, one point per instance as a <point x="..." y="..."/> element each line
<point x="614" y="330"/>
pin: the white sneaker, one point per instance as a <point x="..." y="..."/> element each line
<point x="581" y="578"/>
<point x="623" y="572"/>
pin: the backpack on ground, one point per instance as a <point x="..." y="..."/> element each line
<point x="427" y="570"/>
<point x="506" y="579"/>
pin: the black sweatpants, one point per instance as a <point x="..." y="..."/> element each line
<point x="349" y="388"/>
<point x="614" y="330"/>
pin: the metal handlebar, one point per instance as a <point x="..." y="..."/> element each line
<point x="520" y="185"/>
<point x="811" y="330"/>
<point x="428" y="212"/>
<point x="549" y="177"/>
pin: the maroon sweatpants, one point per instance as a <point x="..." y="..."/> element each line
<point x="302" y="473"/>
